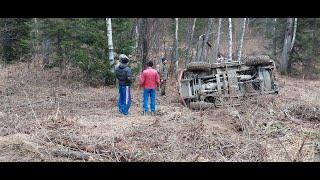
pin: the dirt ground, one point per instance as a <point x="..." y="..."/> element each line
<point x="47" y="118"/>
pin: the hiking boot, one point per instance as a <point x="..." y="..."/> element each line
<point x="144" y="113"/>
<point x="153" y="113"/>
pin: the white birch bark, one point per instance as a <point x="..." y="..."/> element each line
<point x="274" y="37"/>
<point x="230" y="40"/>
<point x="110" y="42"/>
<point x="216" y="50"/>
<point x="286" y="47"/>
<point x="294" y="33"/>
<point x="176" y="46"/>
<point x="241" y="39"/>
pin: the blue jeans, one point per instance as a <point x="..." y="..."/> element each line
<point x="124" y="101"/>
<point x="146" y="94"/>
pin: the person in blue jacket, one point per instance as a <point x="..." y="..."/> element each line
<point x="125" y="78"/>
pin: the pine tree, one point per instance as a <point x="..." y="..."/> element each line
<point x="14" y="39"/>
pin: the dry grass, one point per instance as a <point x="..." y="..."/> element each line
<point x="42" y="113"/>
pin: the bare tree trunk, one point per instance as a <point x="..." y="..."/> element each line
<point x="230" y="40"/>
<point x="210" y="22"/>
<point x="241" y="38"/>
<point x="266" y="28"/>
<point x="36" y="33"/>
<point x="190" y="42"/>
<point x="143" y="41"/>
<point x="248" y="21"/>
<point x="158" y="48"/>
<point x="216" y="50"/>
<point x="110" y="43"/>
<point x="199" y="48"/>
<point x="60" y="53"/>
<point x="315" y="52"/>
<point x="137" y="36"/>
<point x="46" y="52"/>
<point x="311" y="56"/>
<point x="164" y="48"/>
<point x="294" y="33"/>
<point x="192" y="32"/>
<point x="176" y="57"/>
<point x="286" y="47"/>
<point x="36" y="24"/>
<point x="275" y="38"/>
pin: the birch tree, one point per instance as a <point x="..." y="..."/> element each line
<point x="294" y="33"/>
<point x="230" y="40"/>
<point x="216" y="50"/>
<point x="274" y="37"/>
<point x="35" y="35"/>
<point x="284" y="64"/>
<point x="176" y="57"/>
<point x="137" y="36"/>
<point x="241" y="38"/>
<point x="110" y="42"/>
<point x="199" y="46"/>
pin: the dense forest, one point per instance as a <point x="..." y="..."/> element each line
<point x="59" y="98"/>
<point x="82" y="43"/>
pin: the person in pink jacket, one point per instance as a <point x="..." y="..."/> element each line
<point x="150" y="81"/>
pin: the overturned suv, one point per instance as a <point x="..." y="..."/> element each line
<point x="202" y="85"/>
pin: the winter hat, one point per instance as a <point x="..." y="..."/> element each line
<point x="123" y="58"/>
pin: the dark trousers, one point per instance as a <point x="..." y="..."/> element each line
<point x="163" y="87"/>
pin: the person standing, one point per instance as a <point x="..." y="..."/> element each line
<point x="149" y="81"/>
<point x="125" y="77"/>
<point x="163" y="76"/>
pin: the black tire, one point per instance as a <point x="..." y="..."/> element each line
<point x="257" y="60"/>
<point x="201" y="105"/>
<point x="198" y="66"/>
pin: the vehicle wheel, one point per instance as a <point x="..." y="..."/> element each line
<point x="257" y="60"/>
<point x="200" y="105"/>
<point x="198" y="66"/>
